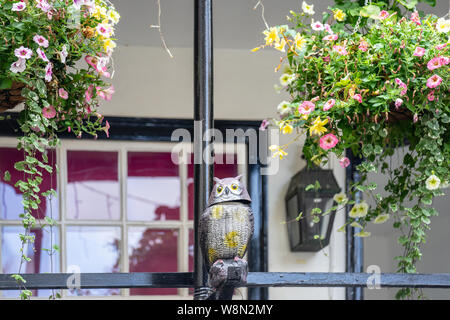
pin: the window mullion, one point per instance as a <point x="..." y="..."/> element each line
<point x="183" y="240"/>
<point x="61" y="159"/>
<point x="123" y="173"/>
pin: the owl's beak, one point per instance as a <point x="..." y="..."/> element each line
<point x="227" y="191"/>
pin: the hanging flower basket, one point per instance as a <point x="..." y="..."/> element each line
<point x="56" y="58"/>
<point x="371" y="92"/>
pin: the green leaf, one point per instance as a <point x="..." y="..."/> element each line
<point x="367" y="150"/>
<point x="7" y="176"/>
<point x="409" y="4"/>
<point x="42" y="88"/>
<point x="428" y="199"/>
<point x="370" y="11"/>
<point x="393" y="207"/>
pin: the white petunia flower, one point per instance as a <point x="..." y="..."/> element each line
<point x="286" y="79"/>
<point x="284" y="108"/>
<point x="340" y="198"/>
<point x="433" y="182"/>
<point x="308" y="8"/>
<point x="18" y="66"/>
<point x="359" y="210"/>
<point x="443" y="25"/>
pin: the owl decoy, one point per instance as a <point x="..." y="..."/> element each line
<point x="226" y="226"/>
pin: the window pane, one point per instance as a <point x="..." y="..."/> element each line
<point x="93" y="190"/>
<point x="221" y="170"/>
<point x="11" y="197"/>
<point x="41" y="261"/>
<point x="153" y="187"/>
<point x="96" y="250"/>
<point x="152" y="250"/>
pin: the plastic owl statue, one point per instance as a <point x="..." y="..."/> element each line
<point x="226" y="226"/>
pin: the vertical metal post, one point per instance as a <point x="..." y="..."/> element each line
<point x="204" y="121"/>
<point x="355" y="245"/>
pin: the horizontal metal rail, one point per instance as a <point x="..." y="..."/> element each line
<point x="254" y="279"/>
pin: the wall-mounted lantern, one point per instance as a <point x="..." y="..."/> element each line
<point x="303" y="233"/>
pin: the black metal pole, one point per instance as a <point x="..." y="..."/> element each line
<point x="355" y="245"/>
<point x="204" y="121"/>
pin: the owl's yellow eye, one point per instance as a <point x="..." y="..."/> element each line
<point x="234" y="187"/>
<point x="219" y="189"/>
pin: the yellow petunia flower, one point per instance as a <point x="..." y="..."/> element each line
<point x="277" y="151"/>
<point x="100" y="13"/>
<point x="109" y="45"/>
<point x="114" y="16"/>
<point x="299" y="41"/>
<point x="286" y="128"/>
<point x="339" y="15"/>
<point x="318" y="127"/>
<point x="280" y="45"/>
<point x="271" y="36"/>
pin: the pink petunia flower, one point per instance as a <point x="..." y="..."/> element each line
<point x="328" y="141"/>
<point x="106" y="128"/>
<point x="402" y="85"/>
<point x="63" y="94"/>
<point x="329" y="104"/>
<point x="344" y="162"/>
<point x="330" y="37"/>
<point x="104" y="30"/>
<point x="306" y="107"/>
<point x="105" y="94"/>
<point x="49" y="112"/>
<point x="88" y="93"/>
<point x="327" y="28"/>
<point x="19" y="6"/>
<point x="444" y="61"/>
<point x="441" y="46"/>
<point x="434" y="63"/>
<point x="49" y="72"/>
<point x="419" y="52"/>
<point x="398" y="103"/>
<point x="341" y="50"/>
<point x="398" y="81"/>
<point x="264" y="125"/>
<point x="23" y="53"/>
<point x="326" y="59"/>
<point x="384" y="14"/>
<point x="317" y="26"/>
<point x="90" y="61"/>
<point x="103" y="71"/>
<point x="431" y="96"/>
<point x="18" y="66"/>
<point x="363" y="46"/>
<point x="41" y="41"/>
<point x="358" y="97"/>
<point x="434" y="81"/>
<point x="43" y="5"/>
<point x="41" y="54"/>
<point x="404" y="89"/>
<point x="415" y="18"/>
